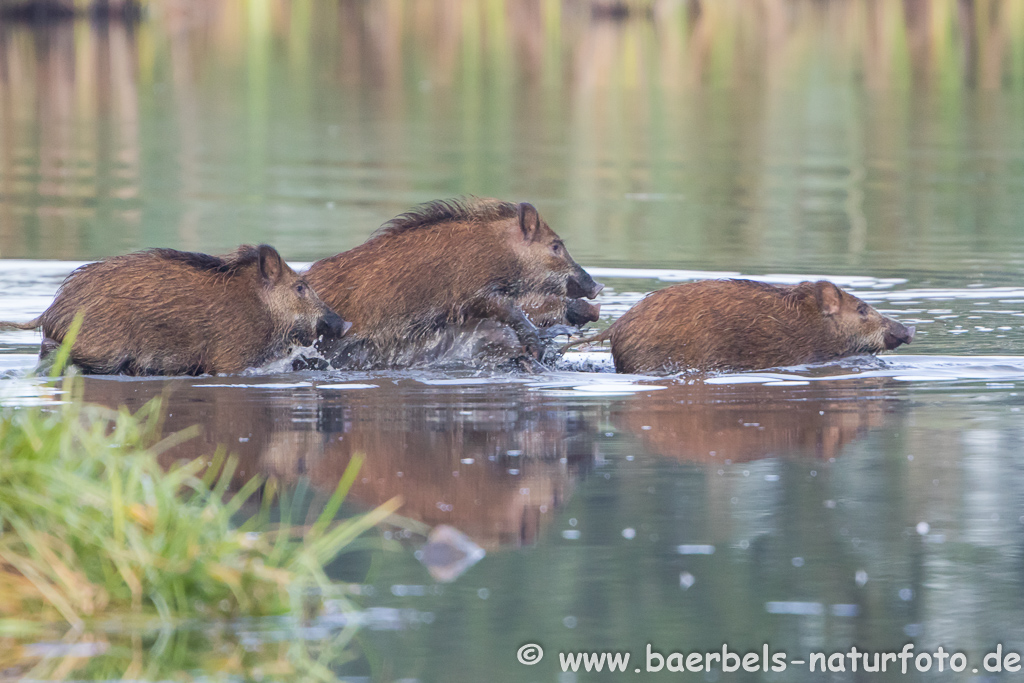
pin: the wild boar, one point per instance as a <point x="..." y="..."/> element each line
<point x="747" y="325"/>
<point x="547" y="311"/>
<point x="427" y="272"/>
<point x="168" y="312"/>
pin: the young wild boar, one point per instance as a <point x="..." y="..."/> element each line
<point x="424" y="274"/>
<point x="746" y="325"/>
<point x="548" y="311"/>
<point x="167" y="312"/>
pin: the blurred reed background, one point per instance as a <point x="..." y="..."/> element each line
<point x="745" y="130"/>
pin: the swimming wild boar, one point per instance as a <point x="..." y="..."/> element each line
<point x="747" y="325"/>
<point x="424" y="274"/>
<point x="547" y="311"/>
<point x="167" y="312"/>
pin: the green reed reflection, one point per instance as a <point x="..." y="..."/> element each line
<point x="772" y="134"/>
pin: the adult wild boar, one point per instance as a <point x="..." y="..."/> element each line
<point x="421" y="276"/>
<point x="167" y="312"/>
<point x="747" y="325"/>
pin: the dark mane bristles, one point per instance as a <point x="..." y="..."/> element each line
<point x="763" y="286"/>
<point x="241" y="257"/>
<point x="463" y="209"/>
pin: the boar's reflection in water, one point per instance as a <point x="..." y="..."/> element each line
<point x="414" y="446"/>
<point x="429" y="281"/>
<point x="708" y="424"/>
<point x="411" y="449"/>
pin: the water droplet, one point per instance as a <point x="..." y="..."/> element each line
<point x="906" y="594"/>
<point x="484" y="593"/>
<point x="570" y="622"/>
<point x="861" y="577"/>
<point x="798" y="561"/>
<point x="923" y="528"/>
<point x="686" y="579"/>
<point x="629" y="533"/>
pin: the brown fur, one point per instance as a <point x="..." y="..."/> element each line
<point x="167" y="312"/>
<point x="440" y="265"/>
<point x="747" y="325"/>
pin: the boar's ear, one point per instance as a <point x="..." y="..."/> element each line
<point x="830" y="299"/>
<point x="529" y="221"/>
<point x="271" y="265"/>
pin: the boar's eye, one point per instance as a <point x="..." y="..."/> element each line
<point x="556" y="248"/>
<point x="300" y="289"/>
<point x="863" y="310"/>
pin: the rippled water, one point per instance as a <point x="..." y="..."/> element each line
<point x="870" y="502"/>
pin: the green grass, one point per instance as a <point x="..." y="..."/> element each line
<point x="142" y="567"/>
<point x="90" y="525"/>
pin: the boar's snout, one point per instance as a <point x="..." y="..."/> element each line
<point x="579" y="312"/>
<point x="331" y="326"/>
<point x="897" y="333"/>
<point x="582" y="285"/>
